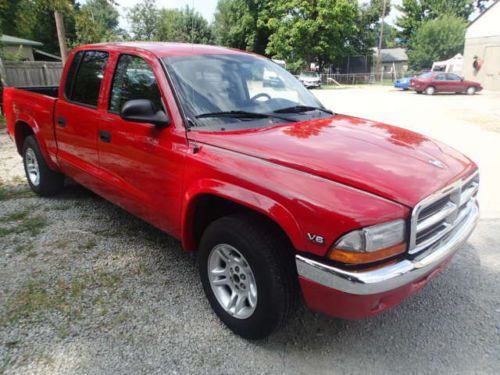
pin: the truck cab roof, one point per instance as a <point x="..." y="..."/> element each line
<point x="162" y="49"/>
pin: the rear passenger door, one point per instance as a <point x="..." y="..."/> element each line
<point x="455" y="82"/>
<point x="77" y="117"/>
<point x="440" y="82"/>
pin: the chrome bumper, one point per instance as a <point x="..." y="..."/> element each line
<point x="393" y="276"/>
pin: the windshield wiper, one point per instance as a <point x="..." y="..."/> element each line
<point x="242" y="114"/>
<point x="301" y="109"/>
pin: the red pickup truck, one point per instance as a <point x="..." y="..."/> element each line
<point x="279" y="196"/>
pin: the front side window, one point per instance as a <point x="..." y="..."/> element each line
<point x="133" y="79"/>
<point x="441" y="77"/>
<point x="240" y="85"/>
<point x="87" y="83"/>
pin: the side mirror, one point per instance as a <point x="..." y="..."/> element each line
<point x="143" y="110"/>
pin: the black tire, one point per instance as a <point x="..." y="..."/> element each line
<point x="272" y="262"/>
<point x="49" y="182"/>
<point x="418" y="92"/>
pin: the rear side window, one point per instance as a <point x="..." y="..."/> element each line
<point x="87" y="83"/>
<point x="133" y="79"/>
<point x="70" y="77"/>
<point x="453" y="77"/>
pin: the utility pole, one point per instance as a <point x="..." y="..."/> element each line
<point x="381" y="36"/>
<point x="61" y="35"/>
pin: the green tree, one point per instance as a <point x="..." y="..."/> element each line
<point x="34" y="19"/>
<point x="232" y="24"/>
<point x="243" y="24"/>
<point x="319" y="31"/>
<point x="143" y="18"/>
<point x="437" y="39"/>
<point x="368" y="26"/>
<point x="97" y="21"/>
<point x="415" y="12"/>
<point x="183" y="25"/>
<point x="389" y="38"/>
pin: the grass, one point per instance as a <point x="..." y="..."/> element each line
<point x="15" y="216"/>
<point x="64" y="296"/>
<point x="32" y="225"/>
<point x="7" y="193"/>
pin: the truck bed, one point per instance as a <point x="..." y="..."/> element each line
<point x="33" y="106"/>
<point x="52" y="91"/>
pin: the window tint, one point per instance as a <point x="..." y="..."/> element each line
<point x="70" y="77"/>
<point x="441" y="77"/>
<point x="425" y="75"/>
<point x="88" y="79"/>
<point x="134" y="79"/>
<point x="453" y="77"/>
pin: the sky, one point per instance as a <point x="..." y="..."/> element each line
<point x="205" y="7"/>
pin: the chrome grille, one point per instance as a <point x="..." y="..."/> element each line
<point x="438" y="215"/>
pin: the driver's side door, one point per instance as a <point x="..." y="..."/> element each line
<point x="140" y="162"/>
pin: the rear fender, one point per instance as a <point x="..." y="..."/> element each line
<point x="254" y="201"/>
<point x="26" y="120"/>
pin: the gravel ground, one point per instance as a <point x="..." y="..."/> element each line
<point x="86" y="288"/>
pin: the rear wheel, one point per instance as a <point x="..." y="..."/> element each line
<point x="430" y="90"/>
<point x="471" y="90"/>
<point x="247" y="273"/>
<point x="41" y="179"/>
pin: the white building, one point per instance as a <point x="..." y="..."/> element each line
<point x="482" y="48"/>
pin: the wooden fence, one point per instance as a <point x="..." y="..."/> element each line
<point x="30" y="73"/>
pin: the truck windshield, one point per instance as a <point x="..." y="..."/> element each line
<point x="239" y="91"/>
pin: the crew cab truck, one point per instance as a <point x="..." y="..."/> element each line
<point x="279" y="197"/>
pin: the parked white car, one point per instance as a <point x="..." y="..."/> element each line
<point x="310" y="79"/>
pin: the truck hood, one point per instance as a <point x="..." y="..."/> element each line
<point x="388" y="161"/>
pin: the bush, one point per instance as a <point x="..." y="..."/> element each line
<point x="435" y="40"/>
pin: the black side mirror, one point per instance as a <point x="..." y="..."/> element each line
<point x="143" y="110"/>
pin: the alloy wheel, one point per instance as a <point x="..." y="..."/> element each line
<point x="232" y="281"/>
<point x="32" y="167"/>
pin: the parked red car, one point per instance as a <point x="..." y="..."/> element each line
<point x="277" y="194"/>
<point x="433" y="82"/>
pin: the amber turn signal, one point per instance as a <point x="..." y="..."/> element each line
<point x="356" y="257"/>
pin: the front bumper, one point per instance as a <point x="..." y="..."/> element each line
<point x="358" y="294"/>
<point x="311" y="84"/>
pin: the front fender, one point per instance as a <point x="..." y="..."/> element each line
<point x="255" y="201"/>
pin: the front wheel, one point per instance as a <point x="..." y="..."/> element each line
<point x="247" y="274"/>
<point x="41" y="179"/>
<point x="430" y="90"/>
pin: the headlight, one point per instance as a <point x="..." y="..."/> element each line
<point x="370" y="244"/>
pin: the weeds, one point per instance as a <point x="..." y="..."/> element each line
<point x="64" y="296"/>
<point x="33" y="226"/>
<point x="7" y="193"/>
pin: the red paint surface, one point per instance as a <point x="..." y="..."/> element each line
<point x="325" y="177"/>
